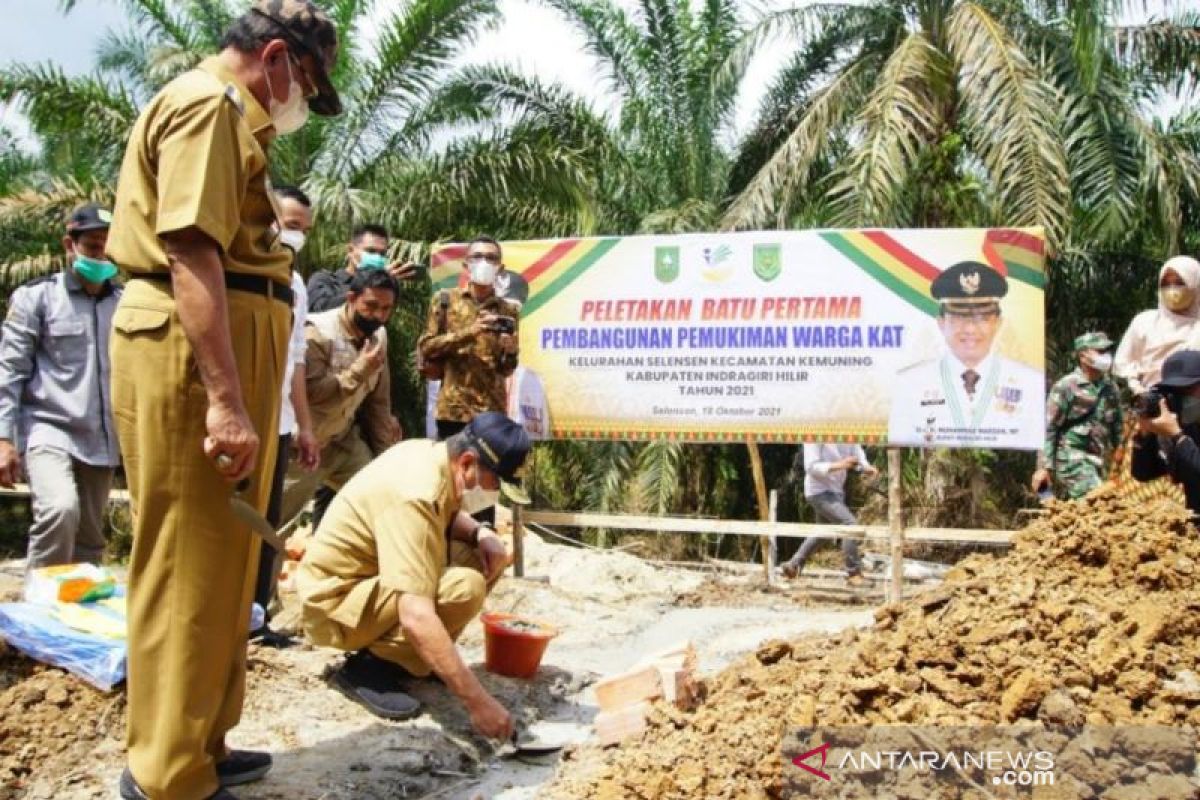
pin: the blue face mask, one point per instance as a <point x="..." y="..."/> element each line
<point x="372" y="261"/>
<point x="94" y="270"/>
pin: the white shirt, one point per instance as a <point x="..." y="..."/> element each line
<point x="818" y="460"/>
<point x="295" y="354"/>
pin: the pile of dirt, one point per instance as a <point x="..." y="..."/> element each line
<point x="50" y="725"/>
<point x="1091" y="619"/>
<point x="604" y="577"/>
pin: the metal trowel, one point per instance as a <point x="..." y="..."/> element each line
<point x="528" y="747"/>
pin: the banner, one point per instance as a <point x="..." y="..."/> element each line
<point x="786" y="336"/>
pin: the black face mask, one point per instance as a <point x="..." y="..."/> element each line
<point x="366" y="325"/>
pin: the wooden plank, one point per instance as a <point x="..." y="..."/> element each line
<point x="629" y="688"/>
<point x="615" y="726"/>
<point x="635" y="522"/>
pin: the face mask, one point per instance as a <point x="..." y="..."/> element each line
<point x="94" y="270"/>
<point x="290" y="115"/>
<point x="367" y="325"/>
<point x="372" y="261"/>
<point x="1102" y="362"/>
<point x="1176" y="298"/>
<point x="1189" y="410"/>
<point x="478" y="499"/>
<point x="292" y="239"/>
<point x="483" y="272"/>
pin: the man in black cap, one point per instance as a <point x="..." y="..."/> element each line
<point x="1168" y="442"/>
<point x="55" y="406"/>
<point x="399" y="568"/>
<point x="969" y="396"/>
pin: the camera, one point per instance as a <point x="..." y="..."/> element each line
<point x="1146" y="404"/>
<point x="504" y="325"/>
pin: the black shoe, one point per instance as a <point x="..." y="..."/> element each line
<point x="243" y="766"/>
<point x="373" y="687"/>
<point x="131" y="791"/>
<point x="267" y="637"/>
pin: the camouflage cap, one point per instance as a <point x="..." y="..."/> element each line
<point x="1093" y="340"/>
<point x="311" y="31"/>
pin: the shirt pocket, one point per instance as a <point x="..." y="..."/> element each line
<point x="68" y="341"/>
<point x="132" y="321"/>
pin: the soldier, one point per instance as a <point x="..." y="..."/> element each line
<point x="1083" y="422"/>
<point x="55" y="407"/>
<point x="474" y="333"/>
<point x="198" y="347"/>
<point x="969" y="396"/>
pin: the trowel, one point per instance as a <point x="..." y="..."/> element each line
<point x="529" y="747"/>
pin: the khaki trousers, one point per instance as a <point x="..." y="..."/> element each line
<point x="460" y="596"/>
<point x="192" y="570"/>
<point x="341" y="460"/>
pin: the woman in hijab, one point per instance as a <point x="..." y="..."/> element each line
<point x="1153" y="335"/>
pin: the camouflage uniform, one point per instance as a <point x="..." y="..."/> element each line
<point x="475" y="365"/>
<point x="1076" y="454"/>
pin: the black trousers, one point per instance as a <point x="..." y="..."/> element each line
<point x="264" y="585"/>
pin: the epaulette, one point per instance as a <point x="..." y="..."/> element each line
<point x="235" y="97"/>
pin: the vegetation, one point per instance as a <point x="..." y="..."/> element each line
<point x="902" y="113"/>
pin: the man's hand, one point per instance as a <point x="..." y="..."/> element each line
<point x="10" y="464"/>
<point x="870" y="471"/>
<point x="403" y="270"/>
<point x="492" y="552"/>
<point x="371" y="355"/>
<point x="849" y="462"/>
<point x="508" y="343"/>
<point x="395" y="430"/>
<point x="308" y="452"/>
<point x="1041" y="477"/>
<point x="490" y="718"/>
<point x="484" y="323"/>
<point x="1165" y="424"/>
<point x="232" y="435"/>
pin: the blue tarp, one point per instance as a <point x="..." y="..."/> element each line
<point x="34" y="631"/>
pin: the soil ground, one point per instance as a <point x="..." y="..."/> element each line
<point x="61" y="739"/>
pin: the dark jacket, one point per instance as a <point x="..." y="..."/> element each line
<point x="328" y="290"/>
<point x="1153" y="457"/>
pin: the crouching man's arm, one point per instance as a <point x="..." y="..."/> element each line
<point x="433" y="643"/>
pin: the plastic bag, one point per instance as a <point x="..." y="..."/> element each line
<point x="69" y="583"/>
<point x="34" y="630"/>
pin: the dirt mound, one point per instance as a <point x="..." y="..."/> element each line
<point x="1092" y="618"/>
<point x="50" y="722"/>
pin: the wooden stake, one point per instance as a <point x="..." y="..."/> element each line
<point x="773" y="516"/>
<point x="764" y="513"/>
<point x="895" y="525"/>
<point x="518" y="533"/>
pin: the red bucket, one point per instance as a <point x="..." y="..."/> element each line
<point x="513" y="644"/>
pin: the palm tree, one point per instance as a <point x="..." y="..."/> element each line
<point x="951" y="112"/>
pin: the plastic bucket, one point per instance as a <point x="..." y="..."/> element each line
<point x="514" y="645"/>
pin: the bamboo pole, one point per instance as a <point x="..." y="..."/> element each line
<point x="518" y="531"/>
<point x="764" y="512"/>
<point x="773" y="516"/>
<point x="895" y="525"/>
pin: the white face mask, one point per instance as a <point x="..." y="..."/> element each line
<point x="292" y="239"/>
<point x="1102" y="362"/>
<point x="476" y="498"/>
<point x="290" y="115"/>
<point x="483" y="271"/>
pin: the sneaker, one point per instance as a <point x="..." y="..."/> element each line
<point x="855" y="580"/>
<point x="790" y="571"/>
<point x="131" y="791"/>
<point x="373" y="688"/>
<point x="243" y="766"/>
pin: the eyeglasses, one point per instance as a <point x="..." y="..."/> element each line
<point x="491" y="258"/>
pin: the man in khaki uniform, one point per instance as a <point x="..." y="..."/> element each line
<point x="398" y="568"/>
<point x="346" y="379"/>
<point x="477" y="344"/>
<point x="198" y="353"/>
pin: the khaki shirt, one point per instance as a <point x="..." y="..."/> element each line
<point x="197" y="158"/>
<point x="338" y="384"/>
<point x="476" y="366"/>
<point x="389" y="522"/>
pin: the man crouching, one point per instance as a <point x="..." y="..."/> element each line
<point x="398" y="568"/>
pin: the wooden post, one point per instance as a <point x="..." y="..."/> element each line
<point x="518" y="541"/>
<point x="895" y="525"/>
<point x="764" y="512"/>
<point x="773" y="517"/>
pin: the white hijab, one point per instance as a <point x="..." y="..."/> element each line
<point x="1154" y="335"/>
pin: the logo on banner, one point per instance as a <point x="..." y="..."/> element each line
<point x="821" y="751"/>
<point x="768" y="261"/>
<point x="666" y="263"/>
<point x="716" y="263"/>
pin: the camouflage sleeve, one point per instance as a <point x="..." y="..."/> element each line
<point x="1057" y="406"/>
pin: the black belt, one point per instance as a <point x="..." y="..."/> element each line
<point x="255" y="284"/>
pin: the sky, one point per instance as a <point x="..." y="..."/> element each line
<point x="531" y="37"/>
